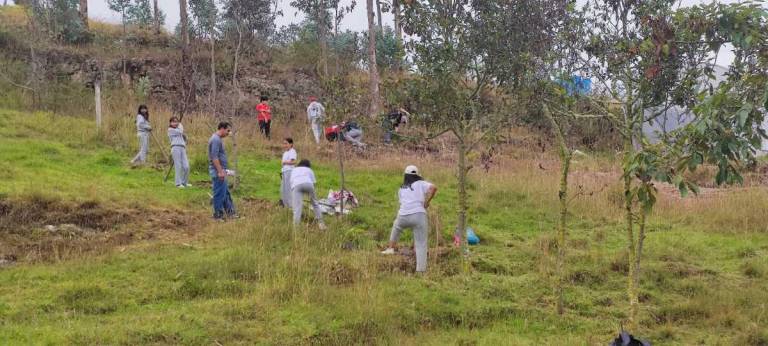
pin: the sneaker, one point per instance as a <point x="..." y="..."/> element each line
<point x="180" y="186"/>
<point x="189" y="185"/>
<point x="388" y="251"/>
<point x="322" y="227"/>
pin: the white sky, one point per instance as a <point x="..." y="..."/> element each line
<point x="354" y="21"/>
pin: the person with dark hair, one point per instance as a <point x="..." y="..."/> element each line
<point x="264" y="115"/>
<point x="315" y="114"/>
<point x="143" y="128"/>
<point x="392" y="121"/>
<point x="415" y="195"/>
<point x="287" y="163"/>
<point x="179" y="152"/>
<point x="217" y="168"/>
<point x="303" y="183"/>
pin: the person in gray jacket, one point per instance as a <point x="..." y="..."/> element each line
<point x="179" y="152"/>
<point x="143" y="129"/>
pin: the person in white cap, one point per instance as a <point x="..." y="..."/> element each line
<point x="415" y="195"/>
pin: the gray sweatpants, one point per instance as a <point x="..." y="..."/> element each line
<point x="355" y="137"/>
<point x="420" y="225"/>
<point x="317" y="128"/>
<point x="181" y="163"/>
<point x="141" y="157"/>
<point x="297" y="198"/>
<point x="285" y="189"/>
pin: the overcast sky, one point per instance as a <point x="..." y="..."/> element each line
<point x="354" y="21"/>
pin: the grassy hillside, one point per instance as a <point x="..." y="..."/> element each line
<point x="175" y="277"/>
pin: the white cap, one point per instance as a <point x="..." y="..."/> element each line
<point x="411" y="169"/>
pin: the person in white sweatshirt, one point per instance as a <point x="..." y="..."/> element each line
<point x="287" y="164"/>
<point x="415" y="195"/>
<point x="315" y="114"/>
<point x="303" y="183"/>
<point x="179" y="152"/>
<point x="143" y="129"/>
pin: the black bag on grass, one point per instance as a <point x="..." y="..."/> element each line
<point x="626" y="339"/>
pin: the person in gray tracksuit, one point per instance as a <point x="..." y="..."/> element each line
<point x="143" y="129"/>
<point x="415" y="195"/>
<point x="303" y="183"/>
<point x="179" y="152"/>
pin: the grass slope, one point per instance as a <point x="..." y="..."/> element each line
<point x="254" y="281"/>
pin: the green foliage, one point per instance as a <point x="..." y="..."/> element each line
<point x="255" y="17"/>
<point x="140" y="13"/>
<point x="388" y="53"/>
<point x="205" y="16"/>
<point x="61" y="20"/>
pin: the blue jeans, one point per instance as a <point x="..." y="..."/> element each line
<point x="222" y="200"/>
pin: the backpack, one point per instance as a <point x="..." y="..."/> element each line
<point x="626" y="339"/>
<point x="351" y="125"/>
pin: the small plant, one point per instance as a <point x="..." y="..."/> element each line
<point x="143" y="89"/>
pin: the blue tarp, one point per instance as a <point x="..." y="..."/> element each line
<point x="577" y="85"/>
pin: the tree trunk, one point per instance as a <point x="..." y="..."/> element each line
<point x="378" y="15"/>
<point x="97" y="101"/>
<point x="236" y="182"/>
<point x="632" y="290"/>
<point x="184" y="21"/>
<point x="340" y="150"/>
<point x="187" y="92"/>
<point x="84" y="13"/>
<point x="640" y="241"/>
<point x="562" y="229"/>
<point x="213" y="73"/>
<point x="237" y="55"/>
<point x="398" y="32"/>
<point x="157" y="17"/>
<point x="322" y="32"/>
<point x="461" y="222"/>
<point x="372" y="66"/>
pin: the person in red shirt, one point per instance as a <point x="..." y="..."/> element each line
<point x="264" y="115"/>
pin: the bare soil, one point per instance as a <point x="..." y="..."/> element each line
<point x="37" y="228"/>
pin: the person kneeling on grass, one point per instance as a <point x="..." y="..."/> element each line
<point x="415" y="195"/>
<point x="303" y="183"/>
<point x="179" y="152"/>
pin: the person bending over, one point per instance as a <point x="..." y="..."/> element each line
<point x="415" y="195"/>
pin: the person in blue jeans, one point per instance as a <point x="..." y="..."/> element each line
<point x="217" y="168"/>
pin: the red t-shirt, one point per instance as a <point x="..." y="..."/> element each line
<point x="265" y="112"/>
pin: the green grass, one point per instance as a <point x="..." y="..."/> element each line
<point x="254" y="282"/>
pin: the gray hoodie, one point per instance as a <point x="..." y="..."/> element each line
<point x="142" y="125"/>
<point x="177" y="136"/>
<point x="315" y="111"/>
